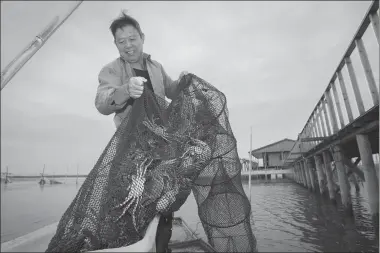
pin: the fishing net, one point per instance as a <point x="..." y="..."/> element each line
<point x="159" y="154"/>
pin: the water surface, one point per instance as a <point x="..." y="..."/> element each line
<point x="285" y="216"/>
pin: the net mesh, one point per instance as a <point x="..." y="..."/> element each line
<point x="158" y="155"/>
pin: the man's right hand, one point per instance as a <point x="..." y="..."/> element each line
<point x="135" y="86"/>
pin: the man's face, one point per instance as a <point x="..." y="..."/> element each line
<point x="129" y="43"/>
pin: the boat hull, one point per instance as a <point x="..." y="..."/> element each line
<point x="183" y="240"/>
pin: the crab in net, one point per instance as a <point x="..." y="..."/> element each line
<point x="136" y="190"/>
<point x="167" y="176"/>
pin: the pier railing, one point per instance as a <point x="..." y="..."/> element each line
<point x="333" y="111"/>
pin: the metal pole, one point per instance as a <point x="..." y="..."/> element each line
<point x="250" y="166"/>
<point x="77" y="173"/>
<point x="21" y="59"/>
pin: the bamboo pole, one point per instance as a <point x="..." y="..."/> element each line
<point x="24" y="56"/>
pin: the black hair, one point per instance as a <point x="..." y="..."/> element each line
<point x="125" y="20"/>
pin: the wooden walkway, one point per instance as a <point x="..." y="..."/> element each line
<point x="332" y="138"/>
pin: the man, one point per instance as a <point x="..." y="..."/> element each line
<point x="122" y="81"/>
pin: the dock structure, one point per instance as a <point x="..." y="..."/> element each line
<point x="273" y="156"/>
<point x="334" y="142"/>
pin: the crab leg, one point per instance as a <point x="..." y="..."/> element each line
<point x="140" y="170"/>
<point x="185" y="153"/>
<point x="125" y="202"/>
<point x="126" y="208"/>
<point x="134" y="211"/>
<point x="146" y="167"/>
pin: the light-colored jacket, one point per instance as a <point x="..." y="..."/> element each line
<point x="113" y="79"/>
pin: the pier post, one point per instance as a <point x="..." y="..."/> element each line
<point x="330" y="184"/>
<point x="293" y="175"/>
<point x="299" y="175"/>
<point x="304" y="182"/>
<point x="371" y="180"/>
<point x="354" y="180"/>
<point x="304" y="168"/>
<point x="342" y="178"/>
<point x="296" y="173"/>
<point x="320" y="174"/>
<point x="309" y="168"/>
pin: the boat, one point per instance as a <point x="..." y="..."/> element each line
<point x="53" y="181"/>
<point x="183" y="239"/>
<point x="5" y="177"/>
<point x="42" y="179"/>
<point x="6" y="180"/>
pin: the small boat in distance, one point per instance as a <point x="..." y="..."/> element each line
<point x="42" y="179"/>
<point x="54" y="181"/>
<point x="5" y="177"/>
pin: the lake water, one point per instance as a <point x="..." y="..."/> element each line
<point x="285" y="216"/>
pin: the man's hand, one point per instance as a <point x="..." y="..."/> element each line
<point x="135" y="86"/>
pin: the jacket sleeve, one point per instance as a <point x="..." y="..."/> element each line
<point x="111" y="95"/>
<point x="170" y="85"/>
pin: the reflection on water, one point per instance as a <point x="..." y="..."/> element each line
<point x="285" y="216"/>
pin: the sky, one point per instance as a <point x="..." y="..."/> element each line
<point x="272" y="60"/>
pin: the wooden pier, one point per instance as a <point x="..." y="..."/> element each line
<point x="333" y="140"/>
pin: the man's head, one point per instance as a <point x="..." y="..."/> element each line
<point x="128" y="37"/>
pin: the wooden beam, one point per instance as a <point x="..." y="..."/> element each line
<point x="333" y="117"/>
<point x="368" y="71"/>
<point x="323" y="126"/>
<point x="374" y="7"/>
<point x="337" y="104"/>
<point x="345" y="97"/>
<point x="350" y="136"/>
<point x="375" y="25"/>
<point x="355" y="86"/>
<point x="327" y="121"/>
<point x="321" y="134"/>
<point x="313" y="139"/>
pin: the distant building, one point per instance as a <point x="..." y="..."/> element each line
<point x="274" y="154"/>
